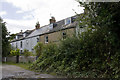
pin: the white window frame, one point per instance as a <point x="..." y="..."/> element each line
<point x="51" y="26"/>
<point x="24" y="35"/>
<point x="46" y="41"/>
<point x="66" y="20"/>
<point x="16" y="37"/>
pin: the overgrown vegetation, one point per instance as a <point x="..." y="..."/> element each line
<point x="38" y="49"/>
<point x="80" y="57"/>
<point x="94" y="53"/>
<point x="27" y="53"/>
<point x="46" y="56"/>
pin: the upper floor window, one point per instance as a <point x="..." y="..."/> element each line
<point x="67" y="21"/>
<point x="16" y="45"/>
<point x="46" y="39"/>
<point x="24" y="35"/>
<point x="32" y="49"/>
<point x="64" y="35"/>
<point x="37" y="39"/>
<point x="27" y="42"/>
<point x="51" y="26"/>
<point x="73" y="19"/>
<point x="21" y="44"/>
<point x="16" y="37"/>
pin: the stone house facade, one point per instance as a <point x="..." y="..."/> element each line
<point x="55" y="37"/>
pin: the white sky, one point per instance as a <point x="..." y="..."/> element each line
<point x="28" y="12"/>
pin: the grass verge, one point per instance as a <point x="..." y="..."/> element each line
<point x="22" y="65"/>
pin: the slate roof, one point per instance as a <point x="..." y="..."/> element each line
<point x="41" y="30"/>
<point x="29" y="31"/>
<point x="59" y="25"/>
<point x="20" y="34"/>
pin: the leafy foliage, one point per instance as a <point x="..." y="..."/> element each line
<point x="90" y="55"/>
<point x="15" y="52"/>
<point x="38" y="49"/>
<point x="46" y="56"/>
<point x="95" y="53"/>
<point x="26" y="53"/>
<point x="5" y="43"/>
<point x="12" y="36"/>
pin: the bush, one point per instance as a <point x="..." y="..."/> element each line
<point x="91" y="54"/>
<point x="26" y="53"/>
<point x="15" y="52"/>
<point x="46" y="58"/>
<point x="38" y="49"/>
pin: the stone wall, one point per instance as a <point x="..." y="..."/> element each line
<point x="22" y="59"/>
<point x="11" y="59"/>
<point x="27" y="59"/>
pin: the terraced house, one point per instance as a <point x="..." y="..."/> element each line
<point x="51" y="33"/>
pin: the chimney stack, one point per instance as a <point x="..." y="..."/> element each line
<point x="52" y="20"/>
<point x="21" y="31"/>
<point x="37" y="26"/>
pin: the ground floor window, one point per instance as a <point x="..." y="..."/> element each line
<point x="27" y="42"/>
<point x="21" y="51"/>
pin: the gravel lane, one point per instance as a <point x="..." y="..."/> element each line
<point x="11" y="71"/>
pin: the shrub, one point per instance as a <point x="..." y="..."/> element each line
<point x="26" y="53"/>
<point x="46" y="58"/>
<point x="38" y="49"/>
<point x="91" y="54"/>
<point x="15" y="52"/>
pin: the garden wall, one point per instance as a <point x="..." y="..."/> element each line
<point x="22" y="59"/>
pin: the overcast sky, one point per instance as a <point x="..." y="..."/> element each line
<point x="23" y="14"/>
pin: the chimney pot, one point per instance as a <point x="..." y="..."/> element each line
<point x="52" y="20"/>
<point x="21" y="31"/>
<point x="37" y="26"/>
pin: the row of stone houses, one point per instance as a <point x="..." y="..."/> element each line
<point x="53" y="32"/>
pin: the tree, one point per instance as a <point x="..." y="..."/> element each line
<point x="38" y="49"/>
<point x="15" y="53"/>
<point x="5" y="43"/>
<point x="12" y="36"/>
<point x="104" y="17"/>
